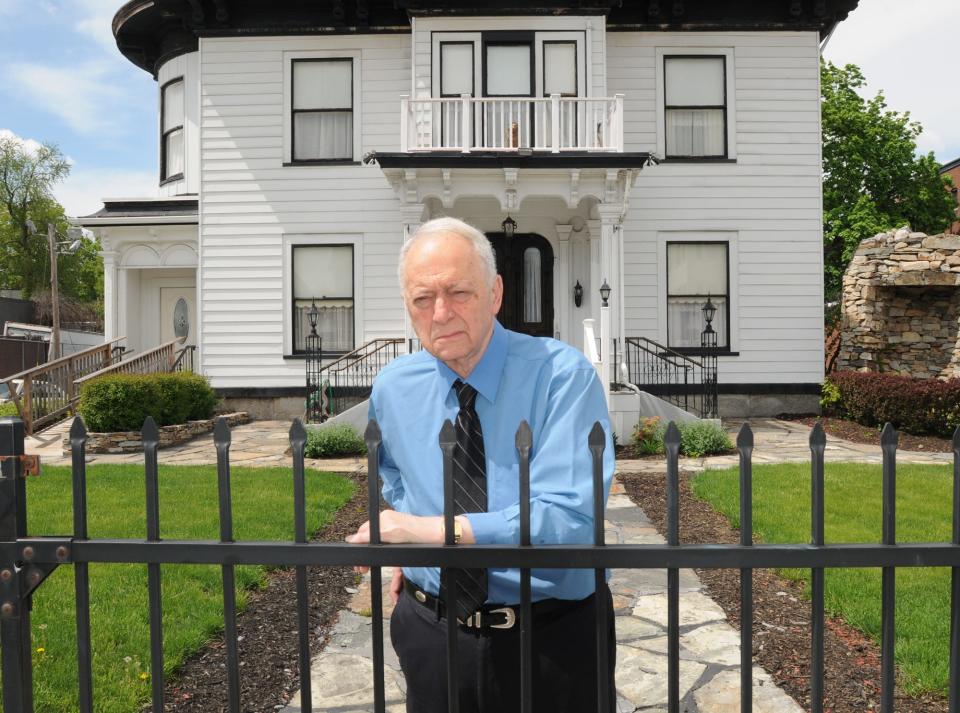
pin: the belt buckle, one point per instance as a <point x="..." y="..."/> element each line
<point x="508" y="613"/>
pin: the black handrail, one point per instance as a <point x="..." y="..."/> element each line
<point x="348" y="380"/>
<point x="685" y="382"/>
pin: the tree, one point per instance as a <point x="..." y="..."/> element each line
<point x="27" y="178"/>
<point x="873" y="178"/>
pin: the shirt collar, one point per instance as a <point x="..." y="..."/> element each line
<point x="485" y="377"/>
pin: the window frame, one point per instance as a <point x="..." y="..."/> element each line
<point x="164" y="179"/>
<point x="293" y="298"/>
<point x="543" y="66"/>
<point x="473" y="67"/>
<point x="668" y="107"/>
<point x="721" y="348"/>
<point x="730" y="115"/>
<point x="519" y="38"/>
<point x="294" y="111"/>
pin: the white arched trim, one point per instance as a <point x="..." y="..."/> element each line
<point x="179" y="255"/>
<point x="140" y="256"/>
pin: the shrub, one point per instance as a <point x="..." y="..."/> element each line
<point x="8" y="409"/>
<point x="122" y="402"/>
<point x="648" y="436"/>
<point x="333" y="441"/>
<point x="831" y="400"/>
<point x="917" y="406"/>
<point x="703" y="438"/>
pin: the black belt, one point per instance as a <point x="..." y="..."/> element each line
<point x="491" y="616"/>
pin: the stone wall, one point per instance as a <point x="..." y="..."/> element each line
<point x="132" y="441"/>
<point x="900" y="306"/>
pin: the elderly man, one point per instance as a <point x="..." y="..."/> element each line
<point x="487" y="380"/>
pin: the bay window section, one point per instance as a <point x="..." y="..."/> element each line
<point x="323" y="275"/>
<point x="695" y="106"/>
<point x="172" y="150"/>
<point x="695" y="272"/>
<point x="322" y="109"/>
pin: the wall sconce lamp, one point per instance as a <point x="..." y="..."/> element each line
<point x="605" y="291"/>
<point x="578" y="294"/>
<point x="509" y="227"/>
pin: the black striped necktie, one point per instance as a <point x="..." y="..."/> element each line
<point x="469" y="492"/>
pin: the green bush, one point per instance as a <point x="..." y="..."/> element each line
<point x="122" y="402"/>
<point x="702" y="438"/>
<point x="831" y="400"/>
<point x="648" y="436"/>
<point x="333" y="441"/>
<point x="8" y="409"/>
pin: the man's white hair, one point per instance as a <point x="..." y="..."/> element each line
<point x="478" y="241"/>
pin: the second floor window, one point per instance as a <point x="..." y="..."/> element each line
<point x="695" y="106"/>
<point x="171" y="140"/>
<point x="322" y="100"/>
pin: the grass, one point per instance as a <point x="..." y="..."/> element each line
<point x="192" y="594"/>
<point x="781" y="511"/>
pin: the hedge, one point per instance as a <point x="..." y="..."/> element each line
<point x="122" y="402"/>
<point x="334" y="441"/>
<point x="918" y="406"/>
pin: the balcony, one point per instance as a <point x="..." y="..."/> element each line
<point x="552" y="124"/>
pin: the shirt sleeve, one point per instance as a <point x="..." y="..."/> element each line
<point x="561" y="469"/>
<point x="393" y="491"/>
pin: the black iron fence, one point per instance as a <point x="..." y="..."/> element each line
<point x="679" y="379"/>
<point x="26" y="559"/>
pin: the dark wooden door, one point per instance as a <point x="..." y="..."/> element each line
<point x="525" y="262"/>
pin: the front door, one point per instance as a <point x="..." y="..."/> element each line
<point x="177" y="310"/>
<point x="525" y="262"/>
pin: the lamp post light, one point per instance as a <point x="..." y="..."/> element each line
<point x="313" y="314"/>
<point x="708" y="345"/>
<point x="314" y="355"/>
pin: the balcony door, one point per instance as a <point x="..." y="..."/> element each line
<point x="525" y="262"/>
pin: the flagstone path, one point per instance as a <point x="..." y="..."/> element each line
<point x="342" y="673"/>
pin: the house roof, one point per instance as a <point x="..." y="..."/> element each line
<point x="143" y="211"/>
<point x="149" y="32"/>
<point x="950" y="166"/>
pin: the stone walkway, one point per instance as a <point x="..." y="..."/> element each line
<point x="710" y="651"/>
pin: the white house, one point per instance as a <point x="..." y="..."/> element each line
<point x="301" y="143"/>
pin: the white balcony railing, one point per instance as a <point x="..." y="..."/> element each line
<point x="552" y="123"/>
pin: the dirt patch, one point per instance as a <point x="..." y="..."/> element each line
<point x="852" y="431"/>
<point x="781" y="624"/>
<point x="269" y="669"/>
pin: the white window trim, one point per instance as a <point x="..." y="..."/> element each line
<point x="730" y="57"/>
<point x="288" y="58"/>
<point x="731" y="238"/>
<point x="577" y="37"/>
<point x="442" y="37"/>
<point x="320" y="239"/>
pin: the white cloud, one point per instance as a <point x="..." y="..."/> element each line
<point x="84" y="190"/>
<point x="95" y="21"/>
<point x="903" y="49"/>
<point x="80" y="95"/>
<point x="30" y="145"/>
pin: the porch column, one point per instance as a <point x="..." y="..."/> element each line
<point x="110" y="302"/>
<point x="610" y="219"/>
<point x="411" y="217"/>
<point x="564" y="281"/>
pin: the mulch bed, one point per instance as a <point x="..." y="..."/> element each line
<point x="267" y="631"/>
<point x="852" y="431"/>
<point x="781" y="625"/>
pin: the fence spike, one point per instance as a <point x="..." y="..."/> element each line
<point x="298" y="434"/>
<point x="372" y="435"/>
<point x="221" y="432"/>
<point x="448" y="436"/>
<point x="956" y="439"/>
<point x="524" y="440"/>
<point x="818" y="437"/>
<point x="150" y="433"/>
<point x="671" y="436"/>
<point x="78" y="431"/>
<point x="597" y="438"/>
<point x="889" y="436"/>
<point x="745" y="436"/>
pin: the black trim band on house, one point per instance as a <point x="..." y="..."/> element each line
<point x="180" y="207"/>
<point x="510" y="159"/>
<point x="261" y="392"/>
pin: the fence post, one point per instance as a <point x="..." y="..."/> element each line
<point x="14" y="609"/>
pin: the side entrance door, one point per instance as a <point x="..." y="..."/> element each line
<point x="177" y="314"/>
<point x="525" y="262"/>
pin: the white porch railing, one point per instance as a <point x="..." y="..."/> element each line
<point x="551" y="124"/>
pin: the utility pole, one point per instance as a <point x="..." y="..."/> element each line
<point x="54" y="294"/>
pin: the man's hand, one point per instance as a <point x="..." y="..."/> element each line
<point x="396" y="585"/>
<point x="399" y="527"/>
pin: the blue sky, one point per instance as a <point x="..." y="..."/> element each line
<point x="62" y="80"/>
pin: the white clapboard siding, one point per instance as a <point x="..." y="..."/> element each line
<point x="252" y="205"/>
<point x="769" y="200"/>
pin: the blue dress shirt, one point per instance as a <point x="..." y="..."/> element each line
<point x="545" y="381"/>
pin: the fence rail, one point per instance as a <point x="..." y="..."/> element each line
<point x="46" y="392"/>
<point x="26" y="561"/>
<point x="161" y="358"/>
<point x="553" y="123"/>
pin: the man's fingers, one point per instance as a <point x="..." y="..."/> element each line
<point x="361" y="536"/>
<point x="396" y="585"/>
<point x="360" y="569"/>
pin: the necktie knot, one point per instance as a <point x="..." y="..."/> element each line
<point x="466" y="394"/>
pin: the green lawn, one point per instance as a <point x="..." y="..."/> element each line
<point x="781" y="511"/>
<point x="192" y="595"/>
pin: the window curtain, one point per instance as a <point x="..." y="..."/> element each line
<point x="174" y="153"/>
<point x="323" y="135"/>
<point x="532" y="289"/>
<point x="695" y="132"/>
<point x="685" y="320"/>
<point x="334" y="325"/>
